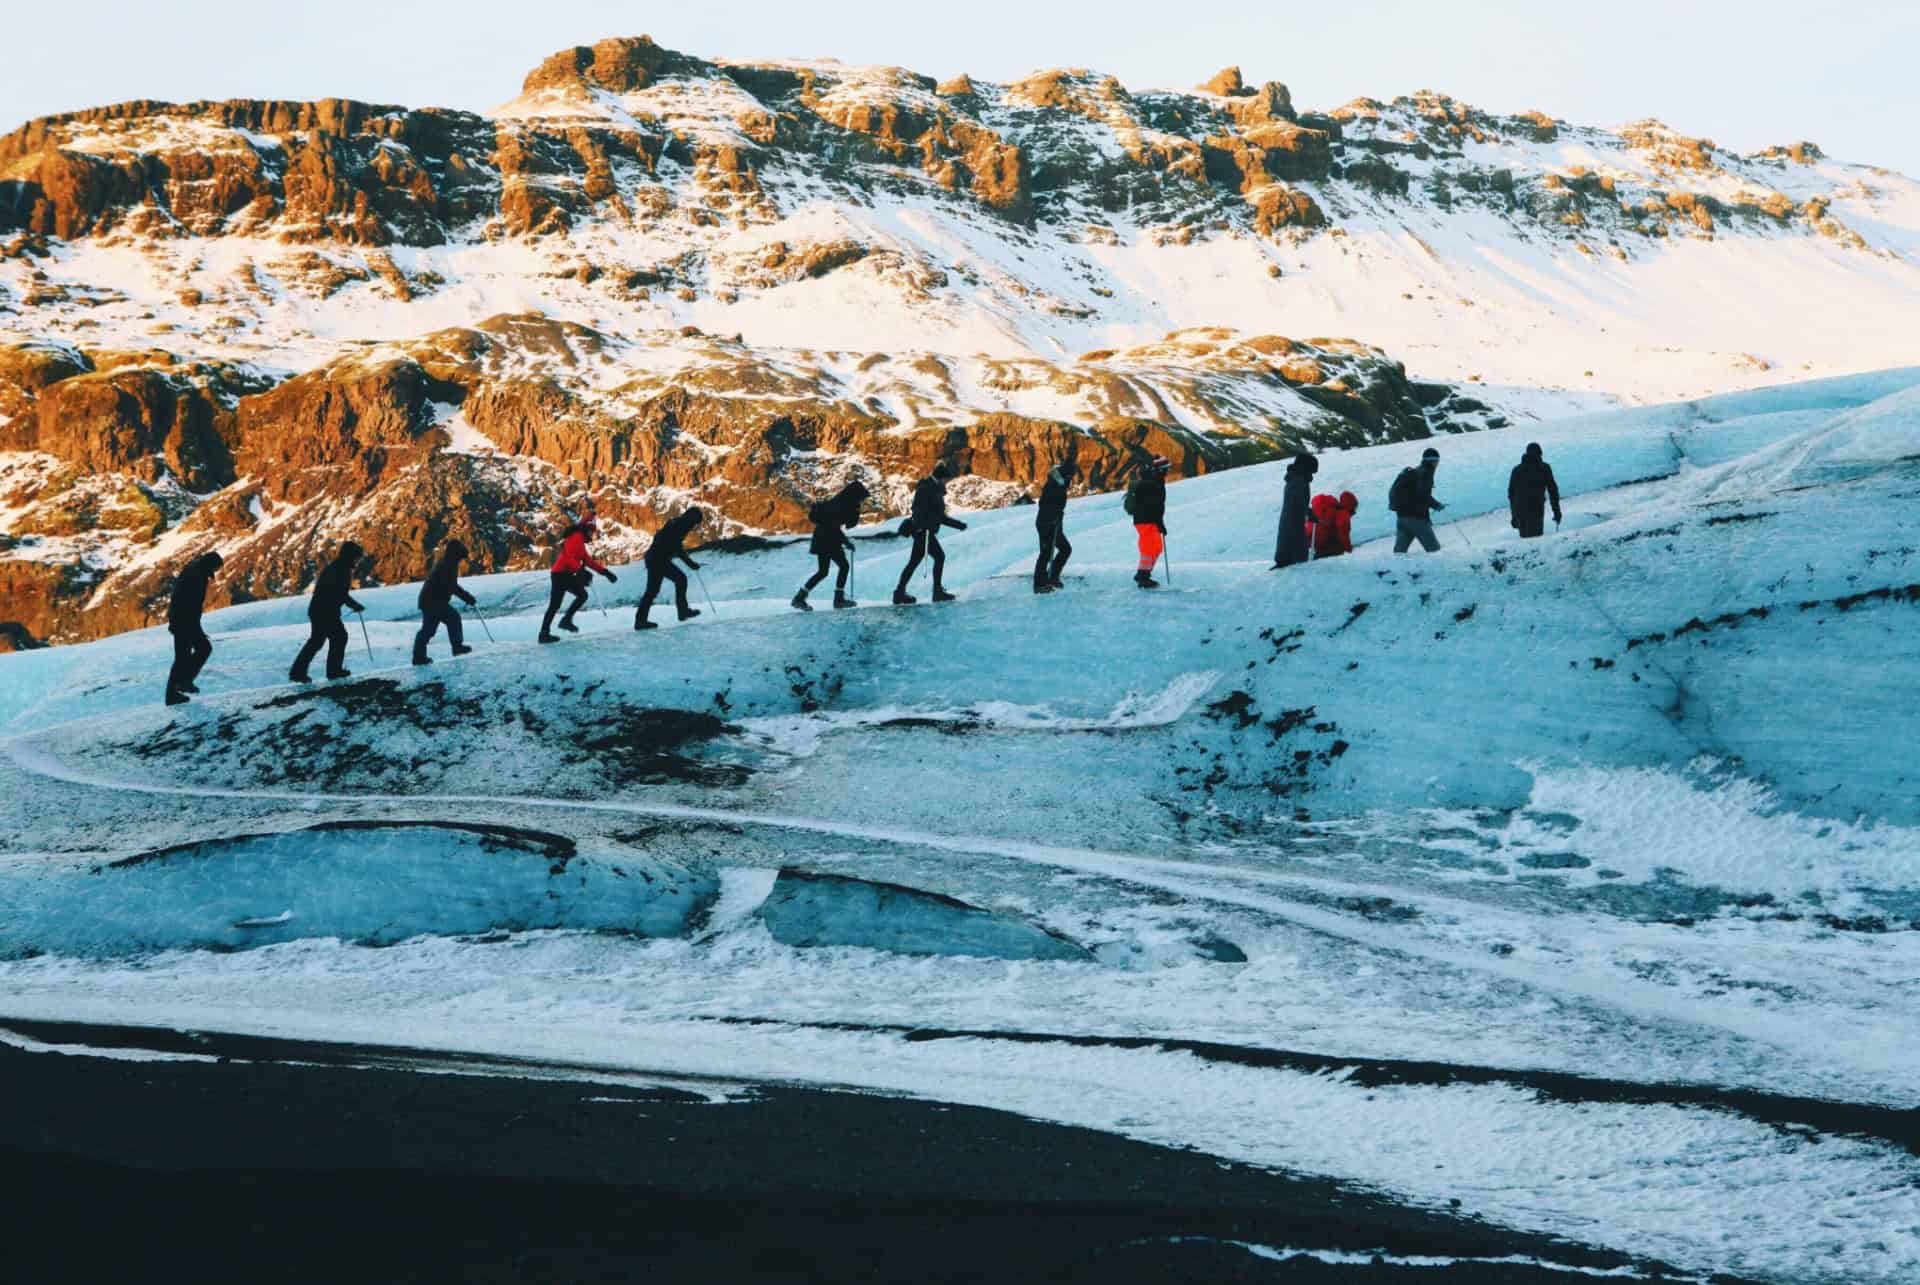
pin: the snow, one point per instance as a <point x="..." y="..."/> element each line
<point x="1624" y="802"/>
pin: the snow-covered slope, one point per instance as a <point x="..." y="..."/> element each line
<point x="1571" y="880"/>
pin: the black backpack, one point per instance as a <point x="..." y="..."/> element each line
<point x="1401" y="496"/>
<point x="820" y="512"/>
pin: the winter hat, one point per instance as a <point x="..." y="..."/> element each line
<point x="1533" y="450"/>
<point x="1069" y="467"/>
<point x="351" y="552"/>
<point x="1349" y="501"/>
<point x="1160" y="464"/>
<point x="456" y="550"/>
<point x="943" y="470"/>
<point x="1430" y="454"/>
<point x="692" y="514"/>
<point x="213" y="559"/>
<point x="1306" y="458"/>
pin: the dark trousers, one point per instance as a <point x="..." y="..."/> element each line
<point x="329" y="632"/>
<point x="838" y="558"/>
<point x="431" y="618"/>
<point x="925" y="544"/>
<point x="562" y="583"/>
<point x="190" y="651"/>
<point x="655" y="577"/>
<point x="1530" y="523"/>
<point x="1054" y="552"/>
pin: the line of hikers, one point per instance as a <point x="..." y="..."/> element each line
<point x="1310" y="527"/>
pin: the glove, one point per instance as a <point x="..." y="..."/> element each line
<point x="611" y="578"/>
<point x="1436" y="505"/>
<point x="959" y="524"/>
<point x="1556" y="517"/>
<point x="1161" y="527"/>
<point x="693" y="564"/>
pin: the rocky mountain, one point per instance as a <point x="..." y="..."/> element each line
<point x="656" y="279"/>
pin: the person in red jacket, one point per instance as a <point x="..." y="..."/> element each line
<point x="1331" y="528"/>
<point x="572" y="573"/>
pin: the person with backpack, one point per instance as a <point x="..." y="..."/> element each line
<point x="928" y="516"/>
<point x="1290" y="544"/>
<point x="1529" y="488"/>
<point x="191" y="646"/>
<point x="669" y="543"/>
<point x="1413" y="505"/>
<point x="1050" y="523"/>
<point x="1331" y="527"/>
<point x="572" y="573"/>
<point x="441" y="587"/>
<point x="830" y="544"/>
<point x="1146" y="503"/>
<point x="331" y="592"/>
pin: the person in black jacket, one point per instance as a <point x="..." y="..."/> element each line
<point x="1050" y="522"/>
<point x="929" y="515"/>
<point x="1529" y="488"/>
<point x="1290" y="545"/>
<point x="1413" y="505"/>
<point x="1146" y="504"/>
<point x="191" y="647"/>
<point x="332" y="591"/>
<point x="830" y="544"/>
<point x="668" y="544"/>
<point x="436" y="607"/>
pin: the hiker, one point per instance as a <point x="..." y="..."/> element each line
<point x="1528" y="490"/>
<point x="332" y="591"/>
<point x="667" y="545"/>
<point x="830" y="544"/>
<point x="1146" y="504"/>
<point x="929" y="515"/>
<point x="1413" y="505"/>
<point x="436" y="603"/>
<point x="1290" y="544"/>
<point x="572" y="573"/>
<point x="1331" y="526"/>
<point x="191" y="647"/>
<point x="1050" y="522"/>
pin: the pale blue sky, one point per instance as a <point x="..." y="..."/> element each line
<point x="1744" y="74"/>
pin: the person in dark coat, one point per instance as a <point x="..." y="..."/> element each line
<point x="1146" y="504"/>
<point x="436" y="603"/>
<point x="929" y="515"/>
<point x="331" y="592"/>
<point x="668" y="544"/>
<point x="1529" y="488"/>
<point x="1290" y="545"/>
<point x="572" y="572"/>
<point x="1050" y="523"/>
<point x="1413" y="505"/>
<point x="830" y="544"/>
<point x="191" y="647"/>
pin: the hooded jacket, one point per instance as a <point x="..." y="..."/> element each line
<point x="669" y="540"/>
<point x="573" y="553"/>
<point x="1150" y="499"/>
<point x="444" y="580"/>
<point x="190" y="592"/>
<point x="1053" y="497"/>
<point x="930" y="506"/>
<point x="1295" y="517"/>
<point x="333" y="590"/>
<point x="1529" y="488"/>
<point x="832" y="517"/>
<point x="1412" y="494"/>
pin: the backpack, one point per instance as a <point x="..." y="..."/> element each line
<point x="1401" y="494"/>
<point x="817" y="512"/>
<point x="1127" y="501"/>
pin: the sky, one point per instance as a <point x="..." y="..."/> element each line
<point x="1744" y="74"/>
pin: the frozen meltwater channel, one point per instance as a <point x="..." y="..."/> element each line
<point x="1574" y="880"/>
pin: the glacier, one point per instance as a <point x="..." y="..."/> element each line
<point x="1635" y="801"/>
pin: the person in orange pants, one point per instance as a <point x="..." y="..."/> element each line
<point x="1146" y="503"/>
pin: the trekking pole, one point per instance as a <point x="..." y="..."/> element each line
<point x="362" y="617"/>
<point x="1455" y="524"/>
<point x="707" y="592"/>
<point x="483" y="621"/>
<point x="1166" y="557"/>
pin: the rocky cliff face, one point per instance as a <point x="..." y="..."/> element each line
<point x="653" y="278"/>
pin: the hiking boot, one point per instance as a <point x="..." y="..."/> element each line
<point x="188" y="688"/>
<point x="841" y="602"/>
<point x="1043" y="586"/>
<point x="298" y="676"/>
<point x="689" y="613"/>
<point x="901" y="598"/>
<point x="800" y="601"/>
<point x="570" y="627"/>
<point x="1145" y="581"/>
<point x="941" y="595"/>
<point x="421" y="660"/>
<point x="461" y="649"/>
<point x="547" y="638"/>
<point x="339" y="673"/>
<point x="176" y="698"/>
<point x="1056" y="583"/>
<point x="644" y="624"/>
